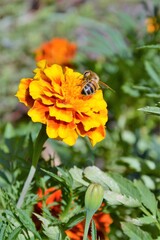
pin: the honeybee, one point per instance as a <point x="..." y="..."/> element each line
<point x="91" y="83"/>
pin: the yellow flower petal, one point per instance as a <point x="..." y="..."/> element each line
<point x="96" y="135"/>
<point x="61" y="114"/>
<point x="38" y="112"/>
<point x="23" y="92"/>
<point x="52" y="128"/>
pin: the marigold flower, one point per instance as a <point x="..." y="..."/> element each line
<point x="52" y="198"/>
<point x="57" y="50"/>
<point x="54" y="98"/>
<point x="152" y="25"/>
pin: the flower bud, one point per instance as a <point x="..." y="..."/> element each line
<point x="94" y="197"/>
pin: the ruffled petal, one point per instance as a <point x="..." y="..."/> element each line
<point x="23" y="92"/>
<point x="61" y="114"/>
<point x="96" y="135"/>
<point x="38" y="112"/>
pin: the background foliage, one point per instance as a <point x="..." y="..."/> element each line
<point x="113" y="41"/>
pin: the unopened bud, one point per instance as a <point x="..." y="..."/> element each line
<point x="94" y="197"/>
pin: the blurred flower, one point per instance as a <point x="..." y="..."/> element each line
<point x="102" y="222"/>
<point x="57" y="50"/>
<point x="52" y="198"/>
<point x="152" y="25"/>
<point x="55" y="99"/>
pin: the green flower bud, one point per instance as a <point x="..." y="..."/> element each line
<point x="94" y="197"/>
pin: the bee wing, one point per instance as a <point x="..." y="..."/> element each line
<point x="106" y="86"/>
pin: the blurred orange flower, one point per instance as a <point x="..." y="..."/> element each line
<point x="57" y="50"/>
<point x="152" y="25"/>
<point x="102" y="222"/>
<point x="54" y="98"/>
<point x="52" y="198"/>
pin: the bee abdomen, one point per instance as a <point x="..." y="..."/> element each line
<point x="88" y="89"/>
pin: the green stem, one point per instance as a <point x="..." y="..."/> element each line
<point x="26" y="186"/>
<point x="40" y="140"/>
<point x="89" y="216"/>
<point x="65" y="212"/>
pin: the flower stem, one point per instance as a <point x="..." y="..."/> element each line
<point x="26" y="186"/>
<point x="40" y="140"/>
<point x="89" y="215"/>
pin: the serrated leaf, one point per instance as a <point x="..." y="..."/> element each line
<point x="134" y="232"/>
<point x="114" y="198"/>
<point x="126" y="186"/>
<point x="2" y="231"/>
<point x="143" y="220"/>
<point x="77" y="175"/>
<point x="94" y="174"/>
<point x="27" y="222"/>
<point x="52" y="232"/>
<point x="15" y="233"/>
<point x="147" y="197"/>
<point x="152" y="110"/>
<point x="66" y="176"/>
<point x="152" y="73"/>
<point x="59" y="179"/>
<point x="75" y="220"/>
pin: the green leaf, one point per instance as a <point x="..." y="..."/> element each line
<point x="126" y="187"/>
<point x="59" y="179"/>
<point x="94" y="174"/>
<point x="152" y="110"/>
<point x="52" y="232"/>
<point x="15" y="233"/>
<point x="27" y="222"/>
<point x="134" y="232"/>
<point x="75" y="219"/>
<point x="147" y="197"/>
<point x="143" y="220"/>
<point x="152" y="73"/>
<point x="77" y="175"/>
<point x="2" y="231"/>
<point x="114" y="198"/>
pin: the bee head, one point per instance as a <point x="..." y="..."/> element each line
<point x="87" y="74"/>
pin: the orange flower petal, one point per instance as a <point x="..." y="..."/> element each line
<point x="96" y="135"/>
<point x="23" y="92"/>
<point x="38" y="112"/>
<point x="61" y="114"/>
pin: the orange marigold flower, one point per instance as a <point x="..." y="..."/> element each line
<point x="54" y="98"/>
<point x="152" y="25"/>
<point x="102" y="222"/>
<point x="50" y="195"/>
<point x="57" y="50"/>
<point x="52" y="198"/>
